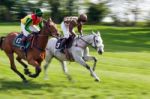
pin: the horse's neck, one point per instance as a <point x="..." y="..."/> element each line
<point x="85" y="40"/>
<point x="88" y="38"/>
<point x="42" y="40"/>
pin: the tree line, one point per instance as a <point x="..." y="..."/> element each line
<point x="14" y="10"/>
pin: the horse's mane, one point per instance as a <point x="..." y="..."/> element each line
<point x="78" y="36"/>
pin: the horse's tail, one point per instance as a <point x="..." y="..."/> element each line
<point x="1" y="41"/>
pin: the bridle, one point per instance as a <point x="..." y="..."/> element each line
<point x="95" y="47"/>
<point x="47" y="30"/>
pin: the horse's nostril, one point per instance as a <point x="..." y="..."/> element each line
<point x="100" y="52"/>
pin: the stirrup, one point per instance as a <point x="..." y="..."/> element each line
<point x="22" y="47"/>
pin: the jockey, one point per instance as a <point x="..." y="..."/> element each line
<point x="29" y="24"/>
<point x="68" y="25"/>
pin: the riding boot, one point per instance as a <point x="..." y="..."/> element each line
<point x="24" y="39"/>
<point x="67" y="53"/>
<point x="70" y="41"/>
<point x="63" y="44"/>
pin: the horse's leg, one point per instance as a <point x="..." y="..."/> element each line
<point x="13" y="66"/>
<point x="26" y="70"/>
<point x="83" y="63"/>
<point x="48" y="59"/>
<point x="64" y="67"/>
<point x="87" y="57"/>
<point x="36" y="64"/>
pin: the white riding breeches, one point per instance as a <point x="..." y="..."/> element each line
<point x="65" y="30"/>
<point x="33" y="28"/>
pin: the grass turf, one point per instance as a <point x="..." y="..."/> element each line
<point x="124" y="69"/>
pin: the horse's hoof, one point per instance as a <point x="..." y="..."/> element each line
<point x="97" y="80"/>
<point x="93" y="69"/>
<point x="27" y="72"/>
<point x="33" y="75"/>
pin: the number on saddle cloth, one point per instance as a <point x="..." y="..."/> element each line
<point x="18" y="41"/>
<point x="59" y="44"/>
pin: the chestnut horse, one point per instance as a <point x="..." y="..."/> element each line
<point x="34" y="55"/>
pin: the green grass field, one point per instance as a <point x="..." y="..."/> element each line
<point x="124" y="69"/>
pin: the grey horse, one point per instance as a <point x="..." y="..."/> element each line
<point x="79" y="51"/>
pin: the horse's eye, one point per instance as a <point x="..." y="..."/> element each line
<point x="96" y="41"/>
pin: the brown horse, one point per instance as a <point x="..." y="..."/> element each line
<point x="34" y="55"/>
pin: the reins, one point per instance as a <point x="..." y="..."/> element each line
<point x="88" y="42"/>
<point x="35" y="45"/>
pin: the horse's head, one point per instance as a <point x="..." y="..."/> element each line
<point x="98" y="42"/>
<point x="50" y="27"/>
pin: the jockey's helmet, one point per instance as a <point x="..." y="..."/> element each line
<point x="38" y="12"/>
<point x="83" y="17"/>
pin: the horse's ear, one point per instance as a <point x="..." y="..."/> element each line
<point x="93" y="32"/>
<point x="49" y="20"/>
<point x="98" y="33"/>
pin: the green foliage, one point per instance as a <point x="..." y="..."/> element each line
<point x="71" y="8"/>
<point x="5" y="10"/>
<point x="60" y="9"/>
<point x="7" y="3"/>
<point x="124" y="69"/>
<point x="14" y="10"/>
<point x="96" y="12"/>
<point x="55" y="11"/>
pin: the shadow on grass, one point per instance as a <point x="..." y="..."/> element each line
<point x="6" y="85"/>
<point x="18" y="85"/>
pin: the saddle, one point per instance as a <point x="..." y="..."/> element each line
<point x="18" y="41"/>
<point x="68" y="43"/>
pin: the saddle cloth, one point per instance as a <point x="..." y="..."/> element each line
<point x="59" y="44"/>
<point x="17" y="42"/>
<point x="68" y="44"/>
